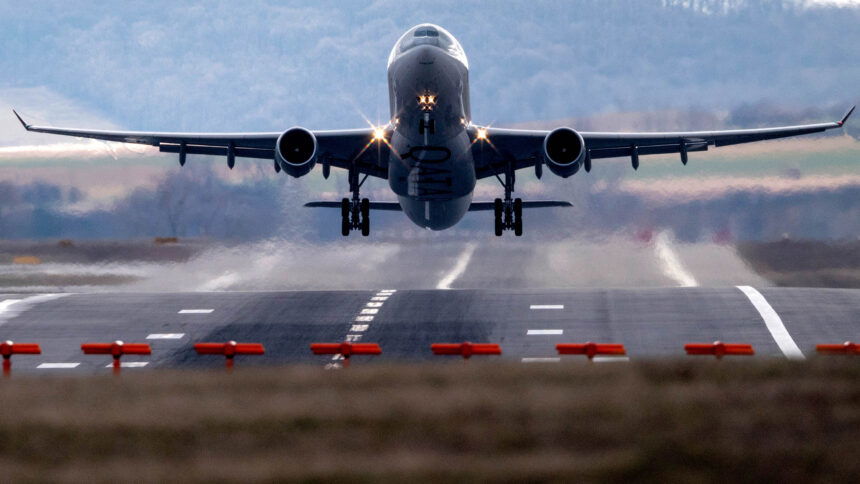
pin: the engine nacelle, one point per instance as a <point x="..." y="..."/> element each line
<point x="563" y="151"/>
<point x="296" y="151"/>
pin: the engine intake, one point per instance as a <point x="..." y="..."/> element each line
<point x="563" y="151"/>
<point x="296" y="151"/>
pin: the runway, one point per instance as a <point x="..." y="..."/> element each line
<point x="650" y="322"/>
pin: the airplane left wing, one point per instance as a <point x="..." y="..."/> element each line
<point x="525" y="147"/>
<point x="338" y="148"/>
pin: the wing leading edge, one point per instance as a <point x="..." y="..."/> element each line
<point x="338" y="148"/>
<point x="525" y="146"/>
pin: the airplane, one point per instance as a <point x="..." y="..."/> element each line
<point x="430" y="151"/>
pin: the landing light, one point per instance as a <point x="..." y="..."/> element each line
<point x="482" y="134"/>
<point x="378" y="134"/>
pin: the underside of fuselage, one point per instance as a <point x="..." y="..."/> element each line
<point x="431" y="167"/>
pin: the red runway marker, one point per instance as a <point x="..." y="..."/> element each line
<point x="466" y="349"/>
<point x="8" y="348"/>
<point x="346" y="349"/>
<point x="846" y="348"/>
<point x="590" y="349"/>
<point x="116" y="349"/>
<point x="229" y="350"/>
<point x="719" y="349"/>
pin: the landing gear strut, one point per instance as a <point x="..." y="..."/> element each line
<point x="508" y="212"/>
<point x="355" y="211"/>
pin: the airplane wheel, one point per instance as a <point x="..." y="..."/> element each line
<point x="365" y="217"/>
<point x="518" y="217"/>
<point x="345" y="226"/>
<point x="498" y="216"/>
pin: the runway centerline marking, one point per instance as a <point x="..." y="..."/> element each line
<point x="196" y="311"/>
<point x="541" y="360"/>
<point x="538" y="332"/>
<point x="546" y="306"/>
<point x="166" y="336"/>
<point x="672" y="266"/>
<point x="57" y="366"/>
<point x="458" y="269"/>
<point x="774" y="323"/>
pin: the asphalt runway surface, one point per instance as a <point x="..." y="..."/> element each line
<point x="528" y="324"/>
<point x="653" y="297"/>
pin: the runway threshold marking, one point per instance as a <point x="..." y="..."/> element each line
<point x="546" y="306"/>
<point x="458" y="269"/>
<point x="195" y="311"/>
<point x="774" y="323"/>
<point x="539" y="332"/>
<point x="166" y="336"/>
<point x="57" y="366"/>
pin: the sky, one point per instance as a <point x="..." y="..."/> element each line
<point x="267" y="65"/>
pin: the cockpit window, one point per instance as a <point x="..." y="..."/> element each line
<point x="427" y="34"/>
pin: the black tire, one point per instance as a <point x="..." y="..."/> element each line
<point x="345" y="226"/>
<point x="365" y="217"/>
<point x="344" y="208"/>
<point x="518" y="217"/>
<point x="498" y="216"/>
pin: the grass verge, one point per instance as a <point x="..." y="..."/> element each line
<point x="651" y="422"/>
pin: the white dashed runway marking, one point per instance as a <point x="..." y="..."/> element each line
<point x="57" y="366"/>
<point x="774" y="323"/>
<point x="129" y="364"/>
<point x="546" y="306"/>
<point x="611" y="359"/>
<point x="359" y="327"/>
<point x="539" y="332"/>
<point x="364" y="319"/>
<point x="541" y="360"/>
<point x="196" y="311"/>
<point x="166" y="336"/>
<point x="369" y="311"/>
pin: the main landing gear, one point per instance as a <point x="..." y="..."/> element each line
<point x="355" y="211"/>
<point x="508" y="212"/>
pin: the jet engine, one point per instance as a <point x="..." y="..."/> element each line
<point x="563" y="151"/>
<point x="296" y="151"/>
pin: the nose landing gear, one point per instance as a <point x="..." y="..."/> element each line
<point x="355" y="211"/>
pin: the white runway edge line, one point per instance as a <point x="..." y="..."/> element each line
<point x="546" y="306"/>
<point x="458" y="269"/>
<point x="774" y="323"/>
<point x="539" y="332"/>
<point x="195" y="311"/>
<point x="672" y="266"/>
<point x="10" y="308"/>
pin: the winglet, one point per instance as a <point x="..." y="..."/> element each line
<point x="847" y="115"/>
<point x="25" y="125"/>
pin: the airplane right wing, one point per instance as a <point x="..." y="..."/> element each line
<point x="525" y="147"/>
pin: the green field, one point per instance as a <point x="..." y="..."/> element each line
<point x="693" y="421"/>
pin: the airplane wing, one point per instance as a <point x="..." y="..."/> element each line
<point x="338" y="148"/>
<point x="525" y="147"/>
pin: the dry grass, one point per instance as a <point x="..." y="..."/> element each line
<point x="652" y="422"/>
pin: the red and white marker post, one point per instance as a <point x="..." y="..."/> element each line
<point x="346" y="350"/>
<point x="590" y="349"/>
<point x="116" y="350"/>
<point x="229" y="350"/>
<point x="719" y="349"/>
<point x="9" y="348"/>
<point x="466" y="349"/>
<point x="846" y="348"/>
